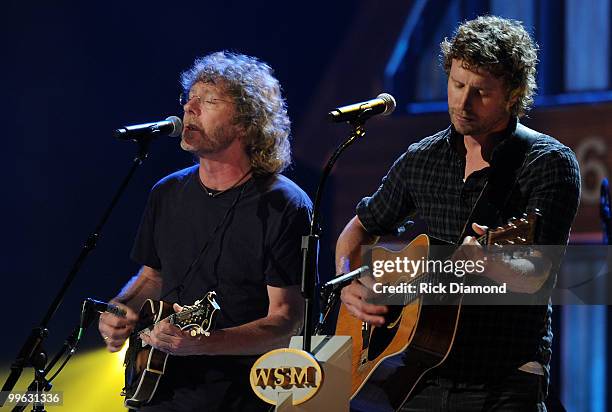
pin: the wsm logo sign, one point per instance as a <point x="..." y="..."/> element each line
<point x="286" y="370"/>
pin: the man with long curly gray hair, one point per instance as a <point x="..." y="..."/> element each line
<point x="260" y="108"/>
<point x="230" y="224"/>
<point x="481" y="171"/>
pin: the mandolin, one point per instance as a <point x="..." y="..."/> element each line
<point x="144" y="365"/>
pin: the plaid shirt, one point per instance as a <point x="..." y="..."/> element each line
<point x="427" y="181"/>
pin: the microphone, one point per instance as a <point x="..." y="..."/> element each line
<point x="172" y="126"/>
<point x="100" y="307"/>
<point x="343" y="280"/>
<point x="90" y="308"/>
<point x="383" y="104"/>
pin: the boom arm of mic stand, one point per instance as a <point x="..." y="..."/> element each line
<point x="32" y="348"/>
<point x="329" y="298"/>
<point x="310" y="243"/>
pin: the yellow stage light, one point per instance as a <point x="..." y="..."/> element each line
<point x="90" y="382"/>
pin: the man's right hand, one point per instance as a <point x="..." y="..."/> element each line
<point x="354" y="297"/>
<point x="114" y="329"/>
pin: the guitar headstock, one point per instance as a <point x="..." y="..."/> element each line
<point x="518" y="231"/>
<point x="199" y="318"/>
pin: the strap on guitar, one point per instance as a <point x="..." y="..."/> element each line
<point x="509" y="157"/>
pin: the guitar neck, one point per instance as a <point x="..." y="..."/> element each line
<point x="148" y="329"/>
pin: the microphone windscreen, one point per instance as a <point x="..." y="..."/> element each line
<point x="177" y="126"/>
<point x="389" y="103"/>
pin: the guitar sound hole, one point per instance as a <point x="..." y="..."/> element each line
<point x="382" y="336"/>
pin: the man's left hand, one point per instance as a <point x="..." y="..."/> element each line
<point x="170" y="339"/>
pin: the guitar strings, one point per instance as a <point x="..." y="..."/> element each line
<point x="186" y="311"/>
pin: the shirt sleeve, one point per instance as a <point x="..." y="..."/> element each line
<point x="283" y="266"/>
<point x="144" y="251"/>
<point x="556" y="194"/>
<point x="388" y="209"/>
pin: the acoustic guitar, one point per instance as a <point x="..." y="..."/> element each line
<point x="421" y="328"/>
<point x="144" y="365"/>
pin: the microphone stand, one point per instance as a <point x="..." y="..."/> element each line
<point x="32" y="353"/>
<point x="329" y="298"/>
<point x="310" y="243"/>
<point x="88" y="314"/>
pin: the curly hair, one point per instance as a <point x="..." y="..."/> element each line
<point x="502" y="47"/>
<point x="260" y="106"/>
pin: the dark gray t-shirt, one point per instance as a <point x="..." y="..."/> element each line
<point x="246" y="238"/>
<point x="251" y="237"/>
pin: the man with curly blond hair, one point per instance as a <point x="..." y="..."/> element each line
<point x="482" y="170"/>
<point x="230" y="224"/>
